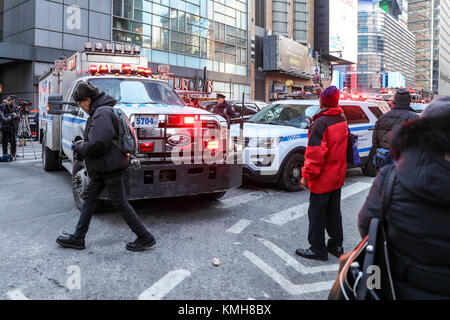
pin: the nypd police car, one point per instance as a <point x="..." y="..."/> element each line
<point x="276" y="139"/>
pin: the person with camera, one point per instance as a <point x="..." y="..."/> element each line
<point x="10" y="124"/>
<point x="23" y="112"/>
<point x="105" y="164"/>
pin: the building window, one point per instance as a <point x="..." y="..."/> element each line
<point x="260" y="13"/>
<point x="208" y="29"/>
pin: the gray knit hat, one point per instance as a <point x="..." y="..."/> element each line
<point x="84" y="90"/>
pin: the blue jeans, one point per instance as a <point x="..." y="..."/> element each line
<point x="116" y="192"/>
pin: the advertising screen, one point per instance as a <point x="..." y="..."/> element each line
<point x="294" y="57"/>
<point x="344" y="29"/>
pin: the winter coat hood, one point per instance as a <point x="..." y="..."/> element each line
<point x="100" y="101"/>
<point x="422" y="148"/>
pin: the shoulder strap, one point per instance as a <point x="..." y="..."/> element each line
<point x="386" y="193"/>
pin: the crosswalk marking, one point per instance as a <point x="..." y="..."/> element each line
<point x="16" y="295"/>
<point x="291" y="288"/>
<point x="290" y="261"/>
<point x="163" y="286"/>
<point x="239" y="226"/>
<point x="293" y="213"/>
<point x="244" y="198"/>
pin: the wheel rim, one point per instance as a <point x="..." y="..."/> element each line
<point x="295" y="173"/>
<point x="79" y="183"/>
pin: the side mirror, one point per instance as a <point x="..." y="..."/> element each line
<point x="308" y="121"/>
<point x="55" y="105"/>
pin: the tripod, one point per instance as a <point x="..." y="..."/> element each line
<point x="24" y="133"/>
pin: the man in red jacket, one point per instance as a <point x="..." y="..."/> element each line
<point x="324" y="173"/>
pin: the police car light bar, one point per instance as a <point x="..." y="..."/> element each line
<point x="93" y="69"/>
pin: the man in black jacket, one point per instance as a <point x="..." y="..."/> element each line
<point x="388" y="122"/>
<point x="224" y="109"/>
<point x="105" y="165"/>
<point x="10" y="125"/>
<point x="418" y="216"/>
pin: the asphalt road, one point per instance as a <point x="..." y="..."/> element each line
<point x="253" y="231"/>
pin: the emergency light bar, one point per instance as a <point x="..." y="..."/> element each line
<point x="127" y="48"/>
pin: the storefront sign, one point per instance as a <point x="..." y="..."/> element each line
<point x="181" y="83"/>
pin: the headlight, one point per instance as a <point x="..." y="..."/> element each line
<point x="268" y="143"/>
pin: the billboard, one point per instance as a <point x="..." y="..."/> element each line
<point x="343" y="29"/>
<point x="283" y="54"/>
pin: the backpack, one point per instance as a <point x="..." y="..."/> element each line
<point x="383" y="157"/>
<point x="353" y="158"/>
<point x="126" y="140"/>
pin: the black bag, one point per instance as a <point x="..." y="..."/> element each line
<point x="353" y="158"/>
<point x="356" y="267"/>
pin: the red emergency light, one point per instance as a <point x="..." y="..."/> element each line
<point x="103" y="68"/>
<point x="126" y="68"/>
<point x="93" y="69"/>
<point x="147" y="147"/>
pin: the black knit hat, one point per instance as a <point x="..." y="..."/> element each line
<point x="402" y="97"/>
<point x="85" y="90"/>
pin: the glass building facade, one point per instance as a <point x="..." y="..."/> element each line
<point x="192" y="33"/>
<point x="385" y="48"/>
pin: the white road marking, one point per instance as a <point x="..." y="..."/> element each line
<point x="16" y="295"/>
<point x="163" y="286"/>
<point x="290" y="261"/>
<point x="27" y="161"/>
<point x="244" y="198"/>
<point x="293" y="213"/>
<point x="291" y="288"/>
<point x="240" y="226"/>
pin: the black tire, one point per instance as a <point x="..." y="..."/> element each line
<point x="291" y="173"/>
<point x="212" y="196"/>
<point x="80" y="180"/>
<point x="50" y="159"/>
<point x="369" y="169"/>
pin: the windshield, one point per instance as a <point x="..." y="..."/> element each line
<point x="286" y="114"/>
<point x="418" y="107"/>
<point x="138" y="91"/>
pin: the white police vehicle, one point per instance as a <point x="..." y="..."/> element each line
<point x="177" y="154"/>
<point x="276" y="139"/>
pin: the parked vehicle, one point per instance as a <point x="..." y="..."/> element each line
<point x="276" y="138"/>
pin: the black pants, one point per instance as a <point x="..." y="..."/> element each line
<point x="9" y="137"/>
<point x="325" y="213"/>
<point x="116" y="191"/>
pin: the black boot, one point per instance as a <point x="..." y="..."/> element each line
<point x="336" y="251"/>
<point x="309" y="254"/>
<point x="141" y="244"/>
<point x="69" y="241"/>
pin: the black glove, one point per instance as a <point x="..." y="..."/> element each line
<point x="76" y="145"/>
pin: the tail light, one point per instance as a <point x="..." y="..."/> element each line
<point x="189" y="120"/>
<point x="147" y="147"/>
<point x="93" y="69"/>
<point x="213" y="145"/>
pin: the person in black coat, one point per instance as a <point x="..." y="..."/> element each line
<point x="388" y="122"/>
<point x="224" y="109"/>
<point x="105" y="165"/>
<point x="10" y="124"/>
<point x="418" y="218"/>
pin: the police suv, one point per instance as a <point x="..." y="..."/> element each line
<point x="181" y="150"/>
<point x="276" y="139"/>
